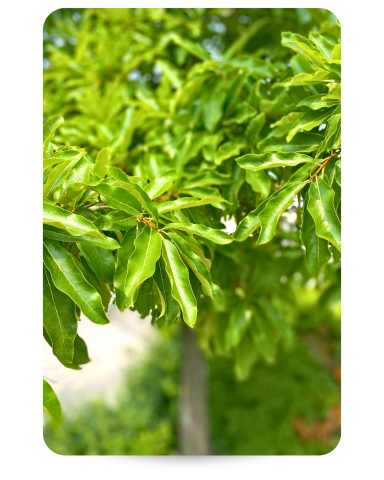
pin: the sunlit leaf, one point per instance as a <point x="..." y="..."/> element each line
<point x="68" y="278"/>
<point x="59" y="319"/>
<point x="321" y="207"/>
<point x="51" y="404"/>
<point x="142" y="262"/>
<point x="179" y="279"/>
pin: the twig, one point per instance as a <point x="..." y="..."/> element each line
<point x="322" y="166"/>
<point x="147" y="222"/>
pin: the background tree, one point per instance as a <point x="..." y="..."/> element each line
<point x="177" y="121"/>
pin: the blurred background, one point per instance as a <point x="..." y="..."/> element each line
<point x="126" y="400"/>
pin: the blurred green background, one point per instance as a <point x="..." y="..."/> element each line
<point x="288" y="407"/>
<point x="263" y="415"/>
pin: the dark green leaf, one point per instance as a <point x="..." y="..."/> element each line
<point x="62" y="236"/>
<point x="179" y="278"/>
<point x="274" y="208"/>
<point x="317" y="252"/>
<point x="59" y="319"/>
<point x="321" y="207"/>
<point x="171" y="306"/>
<point x="123" y="255"/>
<point x="51" y="404"/>
<point x="116" y="220"/>
<point x="68" y="278"/>
<point x="216" y="236"/>
<point x="161" y="184"/>
<point x="257" y="162"/>
<point x="133" y="188"/>
<point x="72" y="223"/>
<point x="100" y="260"/>
<point x="120" y="198"/>
<point x="195" y="263"/>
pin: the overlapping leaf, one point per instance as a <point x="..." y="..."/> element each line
<point x="68" y="278"/>
<point x="142" y="262"/>
<point x="321" y="207"/>
<point x="59" y="319"/>
<point x="179" y="278"/>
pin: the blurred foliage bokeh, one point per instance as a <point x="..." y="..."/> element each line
<point x="281" y="409"/>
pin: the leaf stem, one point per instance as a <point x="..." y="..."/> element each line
<point x="322" y="166"/>
<point x="147" y="222"/>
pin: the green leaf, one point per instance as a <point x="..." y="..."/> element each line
<point x="303" y="142"/>
<point x="323" y="45"/>
<point x="305" y="79"/>
<point x="263" y="330"/>
<point x="100" y="260"/>
<point x="188" y="202"/>
<point x="334" y="93"/>
<point x="161" y="184"/>
<point x="274" y="208"/>
<point x="191" y="47"/>
<point x="102" y="162"/>
<point x="196" y="247"/>
<point x="207" y="179"/>
<point x="287" y="120"/>
<point x="75" y="184"/>
<point x="57" y="177"/>
<point x="142" y="262"/>
<point x="336" y="53"/>
<point x="196" y="264"/>
<point x="202" y="192"/>
<point x="62" y="236"/>
<point x="51" y="404"/>
<point x="310" y="119"/>
<point x="252" y="221"/>
<point x="259" y="182"/>
<point x="72" y="223"/>
<point x="171" y="72"/>
<point x="315" y="102"/>
<point x="316" y="249"/>
<point x="245" y="356"/>
<point x="243" y="112"/>
<point x="228" y="150"/>
<point x="301" y="45"/>
<point x="68" y="278"/>
<point x="179" y="278"/>
<point x="213" y="98"/>
<point x="321" y="207"/>
<point x="49" y="129"/>
<point x="65" y="156"/>
<point x="127" y="247"/>
<point x="133" y="188"/>
<point x="338" y="172"/>
<point x="59" y="319"/>
<point x="120" y="198"/>
<point x="116" y="220"/>
<point x="216" y="236"/>
<point x="262" y="161"/>
<point x="254" y="128"/>
<point x="239" y="322"/>
<point x="80" y="355"/>
<point x="162" y="282"/>
<point x="332" y="133"/>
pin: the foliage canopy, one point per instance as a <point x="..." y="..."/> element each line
<point x="167" y="135"/>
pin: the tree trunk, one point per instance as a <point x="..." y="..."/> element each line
<point x="193" y="417"/>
